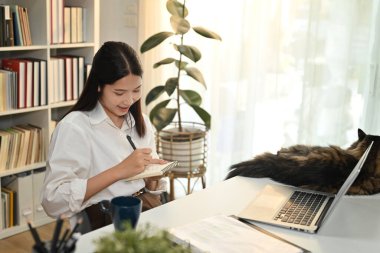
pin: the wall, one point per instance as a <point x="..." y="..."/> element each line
<point x="118" y="21"/>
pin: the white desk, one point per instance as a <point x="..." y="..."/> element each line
<point x="353" y="227"/>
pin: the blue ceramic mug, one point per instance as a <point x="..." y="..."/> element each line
<point x="123" y="209"/>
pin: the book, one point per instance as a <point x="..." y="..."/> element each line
<point x="66" y="25"/>
<point x="18" y="41"/>
<point x="154" y="170"/>
<point x="43" y="88"/>
<point x="18" y="66"/>
<point x="222" y="233"/>
<point x="11" y="195"/>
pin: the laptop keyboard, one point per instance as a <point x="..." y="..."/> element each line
<point x="301" y="208"/>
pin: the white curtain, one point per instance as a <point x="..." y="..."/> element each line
<point x="286" y="72"/>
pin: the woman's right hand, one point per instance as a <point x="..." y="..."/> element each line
<point x="135" y="162"/>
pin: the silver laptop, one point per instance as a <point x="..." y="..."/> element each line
<point x="296" y="208"/>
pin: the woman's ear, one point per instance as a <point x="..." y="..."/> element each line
<point x="98" y="88"/>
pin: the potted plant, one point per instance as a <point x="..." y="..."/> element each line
<point x="178" y="139"/>
<point x="164" y="112"/>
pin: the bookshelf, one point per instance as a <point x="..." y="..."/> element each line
<point x="39" y="14"/>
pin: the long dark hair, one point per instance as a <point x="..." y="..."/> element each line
<point x="114" y="60"/>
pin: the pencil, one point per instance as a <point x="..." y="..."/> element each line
<point x="38" y="243"/>
<point x="80" y="220"/>
<point x="57" y="231"/>
<point x="63" y="239"/>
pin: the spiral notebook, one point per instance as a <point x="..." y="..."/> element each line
<point x="154" y="170"/>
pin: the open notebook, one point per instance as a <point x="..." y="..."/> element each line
<point x="154" y="170"/>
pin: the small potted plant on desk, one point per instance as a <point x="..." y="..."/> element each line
<point x="180" y="140"/>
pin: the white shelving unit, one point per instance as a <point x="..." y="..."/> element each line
<point x="39" y="19"/>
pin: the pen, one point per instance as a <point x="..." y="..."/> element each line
<point x="38" y="246"/>
<point x="56" y="233"/>
<point x="131" y="142"/>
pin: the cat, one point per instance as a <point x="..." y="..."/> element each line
<point x="318" y="168"/>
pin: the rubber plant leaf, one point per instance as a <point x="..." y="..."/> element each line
<point x="179" y="25"/>
<point x="207" y="33"/>
<point x="155" y="40"/>
<point x="191" y="97"/>
<point x="181" y="65"/>
<point x="190" y="52"/>
<point x="163" y="118"/>
<point x="170" y="85"/>
<point x="154" y="94"/>
<point x="205" y="116"/>
<point x="157" y="107"/>
<point x="163" y="62"/>
<point x="176" y="8"/>
<point x="195" y="74"/>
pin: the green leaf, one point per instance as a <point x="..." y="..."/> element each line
<point x="207" y="33"/>
<point x="176" y="8"/>
<point x="190" y="52"/>
<point x="205" y="116"/>
<point x="157" y="107"/>
<point x="154" y="94"/>
<point x="191" y="97"/>
<point x="162" y="117"/>
<point x="179" y="25"/>
<point x="196" y="74"/>
<point x="170" y="85"/>
<point x="154" y="41"/>
<point x="183" y="64"/>
<point x="164" y="61"/>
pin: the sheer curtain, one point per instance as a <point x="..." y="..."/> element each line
<point x="287" y="72"/>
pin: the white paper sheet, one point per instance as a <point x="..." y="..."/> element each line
<point x="226" y="234"/>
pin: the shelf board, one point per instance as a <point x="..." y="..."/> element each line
<point x="17" y="111"/>
<point x="22" y="48"/>
<point x="63" y="104"/>
<point x="22" y="169"/>
<point x="71" y="45"/>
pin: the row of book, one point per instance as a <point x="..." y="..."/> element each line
<point x="67" y="23"/>
<point x="20" y="198"/>
<point x="21" y="145"/>
<point x="66" y="78"/>
<point x="14" y="26"/>
<point x="22" y="83"/>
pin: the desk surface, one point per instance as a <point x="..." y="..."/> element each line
<point x="353" y="227"/>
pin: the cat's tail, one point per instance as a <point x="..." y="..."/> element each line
<point x="289" y="170"/>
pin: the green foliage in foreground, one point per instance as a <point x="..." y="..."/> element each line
<point x="145" y="240"/>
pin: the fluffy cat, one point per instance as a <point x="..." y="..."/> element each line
<point x="319" y="168"/>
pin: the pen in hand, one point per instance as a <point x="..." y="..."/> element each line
<point x="131" y="142"/>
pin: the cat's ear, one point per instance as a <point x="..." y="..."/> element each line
<point x="361" y="134"/>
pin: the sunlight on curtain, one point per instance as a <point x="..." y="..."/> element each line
<point x="286" y="72"/>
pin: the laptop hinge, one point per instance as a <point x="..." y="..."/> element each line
<point x="322" y="216"/>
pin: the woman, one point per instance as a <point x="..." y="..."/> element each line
<point x="89" y="154"/>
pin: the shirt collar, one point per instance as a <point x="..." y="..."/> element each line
<point x="98" y="115"/>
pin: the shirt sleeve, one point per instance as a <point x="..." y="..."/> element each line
<point x="67" y="170"/>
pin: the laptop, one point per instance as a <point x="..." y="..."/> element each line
<point x="297" y="208"/>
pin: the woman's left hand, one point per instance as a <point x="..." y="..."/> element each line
<point x="151" y="183"/>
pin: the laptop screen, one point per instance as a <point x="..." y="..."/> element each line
<point x="349" y="181"/>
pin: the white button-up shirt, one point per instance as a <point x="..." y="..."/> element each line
<point x="83" y="145"/>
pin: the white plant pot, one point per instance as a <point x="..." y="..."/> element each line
<point x="187" y="146"/>
<point x="188" y="154"/>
